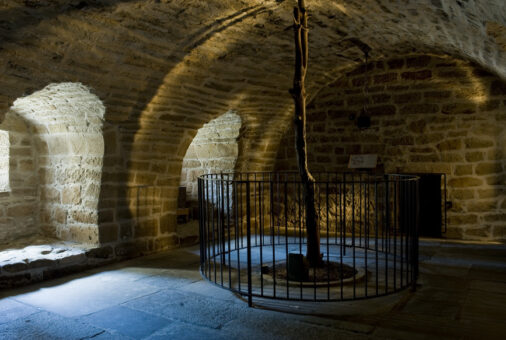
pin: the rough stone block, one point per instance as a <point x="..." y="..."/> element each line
<point x="489" y="168"/>
<point x="382" y="110"/>
<point x="458" y="108"/>
<point x="84" y="216"/>
<point x="463" y="182"/>
<point x="166" y="242"/>
<point x="462" y="194"/>
<point x="385" y="78"/>
<point x="496" y="217"/>
<point x="100" y="253"/>
<point x="474" y="156"/>
<point x="481" y="206"/>
<point x="21" y="210"/>
<point x="462" y="219"/>
<point x="461" y="170"/>
<point x="401" y="140"/>
<point x="424" y="158"/>
<point x="489" y="105"/>
<point x="15" y="267"/>
<point x="450" y="145"/>
<point x="71" y="194"/>
<point x="7" y="281"/>
<point x="453" y="73"/>
<point x="417" y="75"/>
<point x="394" y="64"/>
<point x="477" y="143"/>
<point x="496" y="179"/>
<point x="420" y="109"/>
<point x="437" y="95"/>
<point x="411" y="97"/>
<point x="147" y="227"/>
<point x="108" y="232"/>
<point x="126" y="250"/>
<point x="452" y="157"/>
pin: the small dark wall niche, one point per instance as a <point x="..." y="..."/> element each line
<point x="363" y="122"/>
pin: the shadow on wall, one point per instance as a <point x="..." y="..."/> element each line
<point x="213" y="150"/>
<point x="55" y="163"/>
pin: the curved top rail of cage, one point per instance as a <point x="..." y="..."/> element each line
<point x="253" y="234"/>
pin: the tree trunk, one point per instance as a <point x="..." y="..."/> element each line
<point x="298" y="93"/>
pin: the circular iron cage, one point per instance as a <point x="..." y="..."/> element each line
<point x="251" y="222"/>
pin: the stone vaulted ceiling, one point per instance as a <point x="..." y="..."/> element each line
<point x="166" y="67"/>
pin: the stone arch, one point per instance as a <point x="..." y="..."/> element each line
<point x="59" y="131"/>
<point x="214" y="149"/>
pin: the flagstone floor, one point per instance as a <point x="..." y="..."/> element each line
<point x="461" y="294"/>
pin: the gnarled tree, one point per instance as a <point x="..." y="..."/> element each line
<point x="298" y="93"/>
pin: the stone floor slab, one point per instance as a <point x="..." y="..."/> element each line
<point x="188" y="308"/>
<point x="163" y="296"/>
<point x="11" y="310"/>
<point x="179" y="330"/>
<point x="125" y="321"/>
<point x="45" y="325"/>
<point x="85" y="295"/>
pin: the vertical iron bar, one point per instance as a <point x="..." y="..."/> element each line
<point x="228" y="229"/>
<point x="273" y="235"/>
<point x="248" y="242"/>
<point x="255" y="206"/>
<point x="360" y="209"/>
<point x="396" y="188"/>
<point x="241" y="210"/>
<point x="402" y="230"/>
<point x="299" y="202"/>
<point x="342" y="246"/>
<point x="353" y="234"/>
<point x="387" y="227"/>
<point x="202" y="223"/>
<point x="213" y="223"/>
<point x="208" y="228"/>
<point x="221" y="227"/>
<point x="328" y="237"/>
<point x="260" y="229"/>
<point x="444" y="203"/>
<point x="376" y="207"/>
<point x="237" y="233"/>
<point x="366" y="228"/>
<point x="286" y="235"/>
<point x="415" y="238"/>
<point x="344" y="215"/>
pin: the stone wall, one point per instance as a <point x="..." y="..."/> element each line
<point x="56" y="134"/>
<point x="428" y="114"/>
<point x="19" y="208"/>
<point x="165" y="68"/>
<point x="213" y="150"/>
<point x="4" y="161"/>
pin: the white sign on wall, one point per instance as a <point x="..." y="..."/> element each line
<point x="367" y="161"/>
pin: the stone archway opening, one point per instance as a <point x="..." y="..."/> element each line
<point x="214" y="149"/>
<point x="52" y="146"/>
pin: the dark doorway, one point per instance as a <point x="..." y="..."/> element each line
<point x="431" y="203"/>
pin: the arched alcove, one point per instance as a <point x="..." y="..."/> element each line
<point x="56" y="157"/>
<point x="213" y="150"/>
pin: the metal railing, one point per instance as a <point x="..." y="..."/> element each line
<point x="251" y="223"/>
